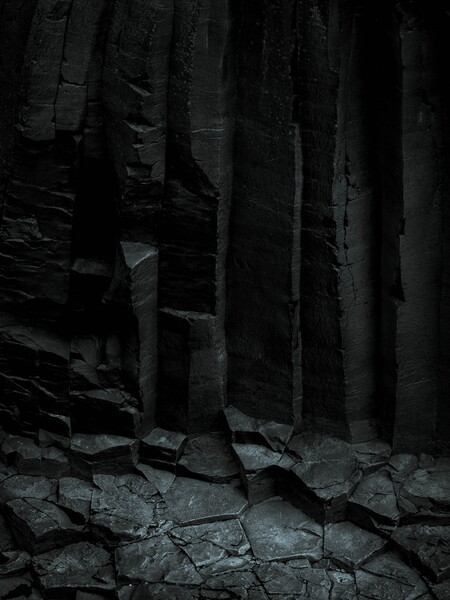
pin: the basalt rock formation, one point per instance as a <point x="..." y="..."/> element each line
<point x="224" y="299"/>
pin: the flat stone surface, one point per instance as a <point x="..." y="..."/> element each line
<point x="293" y="580"/>
<point x="323" y="477"/>
<point x="40" y="525"/>
<point x="374" y="503"/>
<point x="76" y="567"/>
<point x="193" y="502"/>
<point x="75" y="497"/>
<point x="211" y="542"/>
<point x="161" y="479"/>
<point x="155" y="560"/>
<point x="279" y="531"/>
<point x="208" y="457"/>
<point x="124" y="508"/>
<point x="425" y="493"/>
<point x="372" y="455"/>
<point x="27" y="486"/>
<point x="388" y="578"/>
<point x="349" y="546"/>
<point x="428" y="548"/>
<point x="246" y="429"/>
<point x="161" y="444"/>
<point x="101" y="453"/>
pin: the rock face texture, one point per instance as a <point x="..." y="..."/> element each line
<point x="208" y="204"/>
<point x="224" y="299"/>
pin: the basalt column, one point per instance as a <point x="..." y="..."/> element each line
<point x="263" y="276"/>
<point x="194" y="225"/>
<point x="415" y="195"/>
<point x="39" y="154"/>
<point x="339" y="221"/>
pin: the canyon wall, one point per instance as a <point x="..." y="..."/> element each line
<point x="239" y="202"/>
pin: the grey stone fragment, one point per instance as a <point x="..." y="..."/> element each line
<point x="279" y="531"/>
<point x="101" y="453"/>
<point x="427" y="548"/>
<point x="349" y="546"/>
<point x="77" y="567"/>
<point x="245" y="429"/>
<point x="161" y="479"/>
<point x="208" y="457"/>
<point x="236" y="584"/>
<point x="154" y="560"/>
<point x="27" y="486"/>
<point x="323" y="477"/>
<point x="13" y="563"/>
<point x="291" y="580"/>
<point x="75" y="497"/>
<point x="192" y="502"/>
<point x="425" y="494"/>
<point x="388" y="578"/>
<point x="374" y="504"/>
<point x="211" y="542"/>
<point x="40" y="525"/>
<point x="372" y="455"/>
<point x="162" y="445"/>
<point x="124" y="508"/>
<point x="23" y="453"/>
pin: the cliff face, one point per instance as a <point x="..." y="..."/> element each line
<point x="239" y="202"/>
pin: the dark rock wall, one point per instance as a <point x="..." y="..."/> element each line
<point x="238" y="202"/>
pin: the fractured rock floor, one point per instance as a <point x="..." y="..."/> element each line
<point x="255" y="514"/>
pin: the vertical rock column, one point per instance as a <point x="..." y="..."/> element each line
<point x="414" y="287"/>
<point x="263" y="273"/>
<point x="194" y="231"/>
<point x="339" y="224"/>
<point x="134" y="89"/>
<point x="35" y="234"/>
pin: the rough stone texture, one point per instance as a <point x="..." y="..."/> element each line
<point x="224" y="299"/>
<point x="349" y="546"/>
<point x="263" y="278"/>
<point x="426" y="546"/>
<point x="191" y="501"/>
<point x="279" y="531"/>
<point x="208" y="457"/>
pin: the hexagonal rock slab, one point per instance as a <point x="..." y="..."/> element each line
<point x="192" y="502"/>
<point x="279" y="531"/>
<point x="154" y="560"/>
<point x="349" y="546"/>
<point x="40" y="525"/>
<point x="101" y="453"/>
<point x="211" y="542"/>
<point x="77" y="567"/>
<point x="373" y="504"/>
<point x="425" y="494"/>
<point x="388" y="578"/>
<point x="428" y="548"/>
<point x="125" y="508"/>
<point x="208" y="457"/>
<point x="323" y="478"/>
<point x="295" y="580"/>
